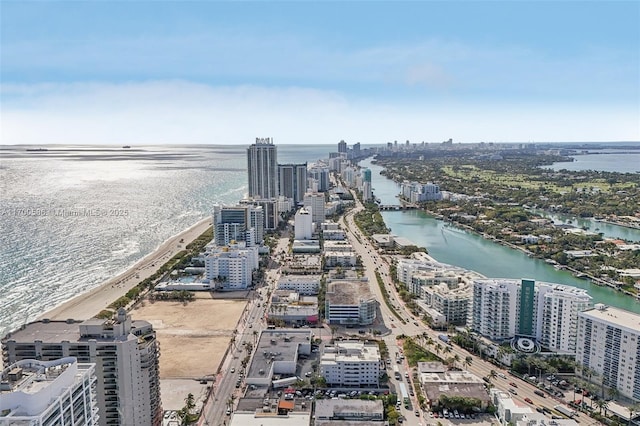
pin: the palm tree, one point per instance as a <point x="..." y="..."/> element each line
<point x="602" y="404"/>
<point x="468" y="360"/>
<point x="633" y="410"/>
<point x="456" y="359"/>
<point x="613" y="393"/>
<point x="493" y="374"/>
<point x="438" y="348"/>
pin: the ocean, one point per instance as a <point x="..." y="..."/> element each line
<point x="73" y="217"/>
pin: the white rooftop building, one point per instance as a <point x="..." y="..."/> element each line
<point x="303" y="224"/>
<point x="48" y="393"/>
<point x="231" y="267"/>
<point x="609" y="344"/>
<point x="351" y="364"/>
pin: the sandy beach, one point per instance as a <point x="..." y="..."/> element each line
<point x="88" y="304"/>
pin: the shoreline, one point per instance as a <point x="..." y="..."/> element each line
<point x="88" y="304"/>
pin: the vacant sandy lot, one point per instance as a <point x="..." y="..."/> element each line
<point x="193" y="337"/>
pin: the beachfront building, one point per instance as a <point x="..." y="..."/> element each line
<point x="125" y="352"/>
<point x="349" y="302"/>
<point x="609" y="345"/>
<point x="231" y="267"/>
<point x="292" y="180"/>
<point x="548" y="313"/>
<point x="238" y="223"/>
<point x="48" y="393"/>
<point x="406" y="268"/>
<point x="262" y="169"/>
<point x="314" y="201"/>
<point x="303" y="224"/>
<point x="349" y="363"/>
<point x="303" y="284"/>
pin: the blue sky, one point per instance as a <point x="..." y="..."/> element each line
<point x="226" y="72"/>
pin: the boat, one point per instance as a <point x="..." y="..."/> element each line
<point x="36" y="149"/>
<point x="126" y="147"/>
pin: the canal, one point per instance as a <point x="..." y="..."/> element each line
<point x="458" y="247"/>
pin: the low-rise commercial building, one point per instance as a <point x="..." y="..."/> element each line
<point x="332" y="411"/>
<point x="508" y="410"/>
<point x="291" y="308"/>
<point x="351" y="364"/>
<point x="436" y="380"/>
<point x="303" y="284"/>
<point x="277" y="352"/>
<point x="340" y="258"/>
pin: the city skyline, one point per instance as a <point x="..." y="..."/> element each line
<point x="372" y="72"/>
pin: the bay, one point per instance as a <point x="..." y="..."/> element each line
<point x="468" y="250"/>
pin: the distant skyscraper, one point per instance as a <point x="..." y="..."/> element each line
<point x="342" y="147"/>
<point x="356" y="150"/>
<point x="293" y="181"/>
<point x="262" y="169"/>
<point x="125" y="353"/>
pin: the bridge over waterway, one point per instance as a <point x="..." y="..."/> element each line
<point x="398" y="207"/>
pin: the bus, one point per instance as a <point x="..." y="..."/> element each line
<point x="404" y="395"/>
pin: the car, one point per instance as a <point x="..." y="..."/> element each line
<point x="513" y="391"/>
<point x="233" y="369"/>
<point x="528" y="400"/>
<point x="167" y="414"/>
<point x="502" y="376"/>
<point x="250" y="325"/>
<point x="513" y="384"/>
<point x="417" y="413"/>
<point x="539" y="393"/>
<point x="431" y="414"/>
<point x="228" y="411"/>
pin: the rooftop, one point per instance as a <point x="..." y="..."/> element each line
<point x="347" y="292"/>
<point x="276" y="345"/>
<point x="270" y="419"/>
<point x="614" y="316"/>
<point x="351" y="351"/>
<point x="326" y="408"/>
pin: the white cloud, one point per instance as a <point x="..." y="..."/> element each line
<point x="184" y="112"/>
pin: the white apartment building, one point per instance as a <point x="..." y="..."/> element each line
<point x="505" y="308"/>
<point x="450" y="301"/>
<point x="48" y="393"/>
<point x="351" y="364"/>
<point x="344" y="246"/>
<point x="557" y="327"/>
<point x="334" y="235"/>
<point x="303" y="284"/>
<point x="416" y="192"/>
<point x="303" y="224"/>
<point x="609" y="344"/>
<point x="231" y="267"/>
<point x="315" y="202"/>
<point x="340" y="258"/>
<point x="494" y="312"/>
<point x="125" y="353"/>
<point x="420" y="279"/>
<point x="349" y="302"/>
<point x="406" y="268"/>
